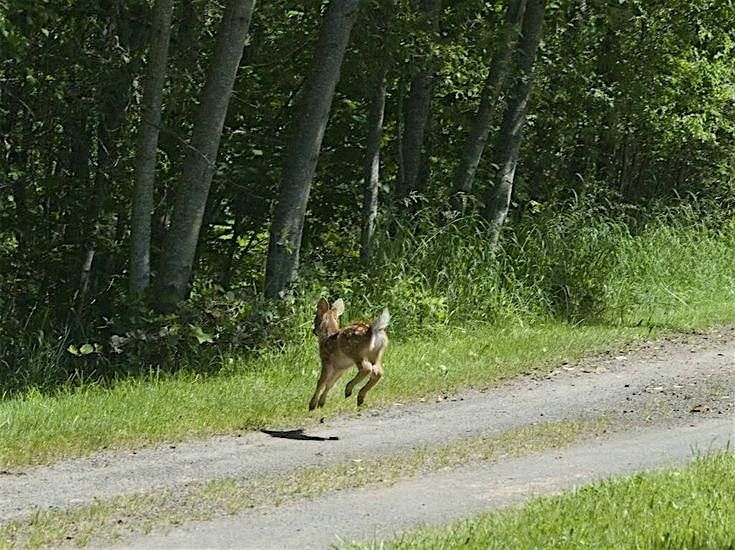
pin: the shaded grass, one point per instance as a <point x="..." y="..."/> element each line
<point x="682" y="508"/>
<point x="115" y="518"/>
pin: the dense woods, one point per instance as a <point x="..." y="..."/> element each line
<point x="185" y="178"/>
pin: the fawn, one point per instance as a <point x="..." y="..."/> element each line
<point x="361" y="343"/>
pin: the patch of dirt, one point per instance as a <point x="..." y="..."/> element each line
<point x="651" y="388"/>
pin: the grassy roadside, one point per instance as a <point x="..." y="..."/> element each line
<point x="108" y="520"/>
<point x="666" y="277"/>
<point x="668" y="285"/>
<point x="690" y="507"/>
<point x="274" y="391"/>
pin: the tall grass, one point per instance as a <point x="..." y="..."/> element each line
<point x="574" y="266"/>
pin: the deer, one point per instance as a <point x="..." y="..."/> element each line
<point x="361" y="343"/>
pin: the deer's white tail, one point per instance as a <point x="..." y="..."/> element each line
<point x="381" y="323"/>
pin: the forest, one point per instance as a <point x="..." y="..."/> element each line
<point x="182" y="181"/>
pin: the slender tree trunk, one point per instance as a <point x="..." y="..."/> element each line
<point x="482" y="121"/>
<point x="77" y="164"/>
<point x="372" y="168"/>
<point x="509" y="138"/>
<point x="108" y="130"/>
<point x="145" y="155"/>
<point x="417" y="107"/>
<point x="191" y="198"/>
<point x="21" y="214"/>
<point x="237" y="226"/>
<point x="298" y="171"/>
<point x="76" y="231"/>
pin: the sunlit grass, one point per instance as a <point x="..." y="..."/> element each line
<point x="682" y="508"/>
<point x="272" y="391"/>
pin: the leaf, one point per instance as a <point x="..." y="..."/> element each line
<point x="201" y="336"/>
<point x="86" y="349"/>
<point x="73" y="350"/>
<point x="117" y="342"/>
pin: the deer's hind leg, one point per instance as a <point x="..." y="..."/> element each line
<point x="364" y="368"/>
<point x="375" y="374"/>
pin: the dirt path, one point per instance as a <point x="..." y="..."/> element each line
<point x="655" y="387"/>
<point x="369" y="513"/>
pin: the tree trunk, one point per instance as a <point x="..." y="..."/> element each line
<point x="145" y="155"/>
<point x="417" y="105"/>
<point x="79" y="167"/>
<point x="298" y="171"/>
<point x="372" y="168"/>
<point x="480" y="125"/>
<point x="191" y="199"/>
<point x="76" y="163"/>
<point x="509" y="138"/>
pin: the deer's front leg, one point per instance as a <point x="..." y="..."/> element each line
<point x="319" y="387"/>
<point x="332" y="377"/>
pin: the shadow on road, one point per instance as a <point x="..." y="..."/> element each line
<point x="298" y="434"/>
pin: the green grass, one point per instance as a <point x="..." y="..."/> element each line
<point x="683" y="508"/>
<point x="274" y="391"/>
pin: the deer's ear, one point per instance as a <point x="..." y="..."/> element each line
<point x="338" y="307"/>
<point x="322" y="307"/>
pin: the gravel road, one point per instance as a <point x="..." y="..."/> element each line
<point x="378" y="513"/>
<point x="673" y="395"/>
